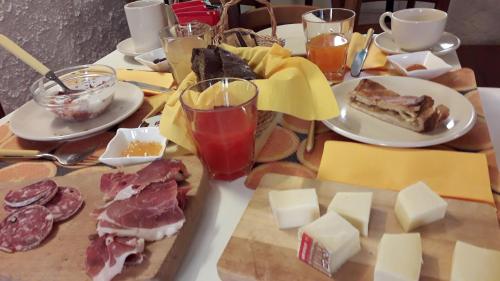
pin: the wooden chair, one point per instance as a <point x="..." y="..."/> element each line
<point x="258" y="19"/>
<point x="355" y="5"/>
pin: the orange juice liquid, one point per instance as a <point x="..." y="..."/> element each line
<point x="329" y="51"/>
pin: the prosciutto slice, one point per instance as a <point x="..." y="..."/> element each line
<point x="107" y="255"/>
<point x="119" y="186"/>
<point x="150" y="214"/>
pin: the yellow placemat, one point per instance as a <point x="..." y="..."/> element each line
<point x="161" y="79"/>
<point x="292" y="85"/>
<point x="375" y="59"/>
<point x="451" y="174"/>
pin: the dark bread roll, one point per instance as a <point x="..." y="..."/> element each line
<point x="214" y="62"/>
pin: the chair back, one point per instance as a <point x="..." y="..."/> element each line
<point x="259" y="19"/>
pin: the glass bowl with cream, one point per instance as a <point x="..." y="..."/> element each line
<point x="95" y="85"/>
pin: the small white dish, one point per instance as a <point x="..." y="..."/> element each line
<point x="127" y="48"/>
<point x="148" y="59"/>
<point x="446" y="44"/>
<point x="293" y="34"/>
<point x="434" y="66"/>
<point x="112" y="155"/>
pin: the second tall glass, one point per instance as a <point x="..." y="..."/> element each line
<point x="328" y="32"/>
<point x="178" y="41"/>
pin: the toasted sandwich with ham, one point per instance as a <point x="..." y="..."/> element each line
<point x="411" y="112"/>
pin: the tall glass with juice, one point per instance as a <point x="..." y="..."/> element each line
<point x="222" y="116"/>
<point x="178" y="42"/>
<point x="328" y="32"/>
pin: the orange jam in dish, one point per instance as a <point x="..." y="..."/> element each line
<point x="142" y="148"/>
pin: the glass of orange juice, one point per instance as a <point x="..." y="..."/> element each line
<point x="178" y="42"/>
<point x="328" y="32"/>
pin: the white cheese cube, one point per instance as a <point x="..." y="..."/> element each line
<point x="354" y="207"/>
<point x="474" y="263"/>
<point x="399" y="257"/>
<point x="294" y="207"/>
<point x="328" y="242"/>
<point x="418" y="205"/>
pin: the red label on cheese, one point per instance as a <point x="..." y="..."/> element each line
<point x="305" y="248"/>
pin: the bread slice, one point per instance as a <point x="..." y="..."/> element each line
<point x="410" y="112"/>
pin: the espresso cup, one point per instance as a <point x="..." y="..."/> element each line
<point x="145" y="19"/>
<point x="415" y="29"/>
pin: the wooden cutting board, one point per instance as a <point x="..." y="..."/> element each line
<point x="258" y="250"/>
<point x="62" y="255"/>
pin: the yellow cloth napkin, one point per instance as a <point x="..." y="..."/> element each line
<point x="293" y="85"/>
<point x="375" y="59"/>
<point x="451" y="174"/>
<point x="150" y="77"/>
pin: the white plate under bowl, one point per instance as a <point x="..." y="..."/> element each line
<point x="362" y="127"/>
<point x="446" y="44"/>
<point x="112" y="155"/>
<point x="294" y="36"/>
<point x="148" y="58"/>
<point x="434" y="65"/>
<point x="34" y="122"/>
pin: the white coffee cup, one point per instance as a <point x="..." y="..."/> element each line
<point x="415" y="29"/>
<point x="145" y="19"/>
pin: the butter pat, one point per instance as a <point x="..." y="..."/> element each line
<point x="294" y="207"/>
<point x="418" y="205"/>
<point x="354" y="207"/>
<point x="399" y="257"/>
<point x="474" y="263"/>
<point x="328" y="242"/>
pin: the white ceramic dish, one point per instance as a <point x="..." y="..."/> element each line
<point x="447" y="43"/>
<point x="362" y="127"/>
<point x="33" y="122"/>
<point x="294" y="36"/>
<point x="121" y="140"/>
<point x="148" y="58"/>
<point x="126" y="47"/>
<point x="434" y="65"/>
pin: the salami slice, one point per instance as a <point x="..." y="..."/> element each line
<point x="25" y="229"/>
<point x="30" y="194"/>
<point x="66" y="203"/>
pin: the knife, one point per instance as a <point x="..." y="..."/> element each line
<point x="360" y="58"/>
<point x="150" y="87"/>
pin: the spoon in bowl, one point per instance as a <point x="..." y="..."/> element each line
<point x="28" y="59"/>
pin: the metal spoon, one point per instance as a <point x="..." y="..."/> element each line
<point x="28" y="59"/>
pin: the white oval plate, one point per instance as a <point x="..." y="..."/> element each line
<point x="294" y="36"/>
<point x="362" y="127"/>
<point x="34" y="122"/>
<point x="447" y="43"/>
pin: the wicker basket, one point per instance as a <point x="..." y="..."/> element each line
<point x="241" y="37"/>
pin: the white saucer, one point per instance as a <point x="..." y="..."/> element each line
<point x="34" y="122"/>
<point x="127" y="48"/>
<point x="447" y="43"/>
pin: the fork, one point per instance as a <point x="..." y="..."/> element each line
<point x="63" y="159"/>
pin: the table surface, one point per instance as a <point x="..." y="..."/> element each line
<point x="228" y="200"/>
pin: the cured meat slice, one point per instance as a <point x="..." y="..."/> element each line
<point x="112" y="183"/>
<point x="42" y="201"/>
<point x="119" y="186"/>
<point x="30" y="194"/>
<point x="25" y="229"/>
<point x="65" y="204"/>
<point x="106" y="255"/>
<point x="151" y="214"/>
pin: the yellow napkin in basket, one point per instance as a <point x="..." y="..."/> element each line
<point x="294" y="86"/>
<point x="375" y="59"/>
<point x="451" y="174"/>
<point x="150" y="77"/>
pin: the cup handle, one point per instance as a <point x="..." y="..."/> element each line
<point x="381" y="21"/>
